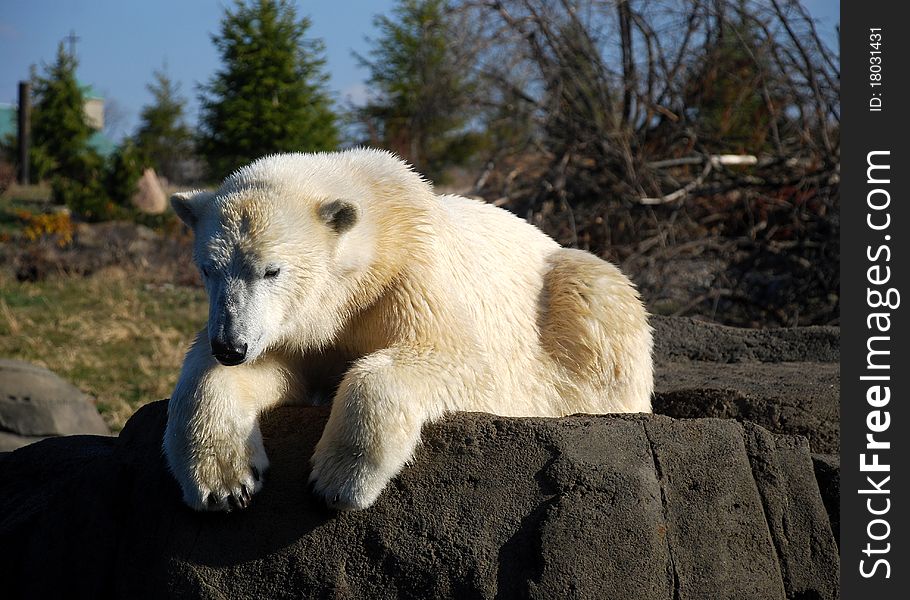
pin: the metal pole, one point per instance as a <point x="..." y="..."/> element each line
<point x="25" y="127"/>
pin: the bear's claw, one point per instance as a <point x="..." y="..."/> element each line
<point x="345" y="480"/>
<point x="221" y="477"/>
<point x="237" y="496"/>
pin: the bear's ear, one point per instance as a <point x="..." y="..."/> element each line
<point x="187" y="205"/>
<point x="340" y="215"/>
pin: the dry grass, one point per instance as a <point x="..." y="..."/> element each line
<point x="117" y="337"/>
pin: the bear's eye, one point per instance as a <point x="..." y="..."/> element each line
<point x="272" y="272"/>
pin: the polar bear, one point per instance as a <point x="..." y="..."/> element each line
<point x="345" y="272"/>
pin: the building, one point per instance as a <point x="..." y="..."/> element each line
<point x="7" y="120"/>
<point x="94" y="116"/>
<point x="94" y="108"/>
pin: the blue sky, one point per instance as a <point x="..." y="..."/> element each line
<point x="122" y="41"/>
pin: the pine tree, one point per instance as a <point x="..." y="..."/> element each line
<point x="270" y="96"/>
<point x="422" y="86"/>
<point x="60" y="134"/>
<point x="124" y="169"/>
<point x="163" y="139"/>
<point x="724" y="91"/>
<point x="60" y="131"/>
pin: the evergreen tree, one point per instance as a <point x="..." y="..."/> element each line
<point x="124" y="169"/>
<point x="730" y="113"/>
<point x="60" y="131"/>
<point x="163" y="139"/>
<point x="60" y="136"/>
<point x="270" y="95"/>
<point x="422" y="86"/>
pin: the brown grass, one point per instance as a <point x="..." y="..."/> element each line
<point x="116" y="336"/>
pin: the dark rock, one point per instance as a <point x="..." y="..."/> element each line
<point x="585" y="507"/>
<point x="794" y="516"/>
<point x="716" y="530"/>
<point x="827" y="472"/>
<point x="786" y="380"/>
<point x="683" y="338"/>
<point x="793" y="398"/>
<point x="35" y="403"/>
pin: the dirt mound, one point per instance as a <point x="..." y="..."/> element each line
<point x="162" y="258"/>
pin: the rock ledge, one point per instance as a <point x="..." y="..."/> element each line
<point x="587" y="506"/>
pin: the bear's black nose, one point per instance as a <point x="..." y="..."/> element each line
<point x="228" y="354"/>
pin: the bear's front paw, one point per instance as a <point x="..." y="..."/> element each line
<point x="345" y="479"/>
<point x="219" y="475"/>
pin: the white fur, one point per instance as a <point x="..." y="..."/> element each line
<point x="427" y="304"/>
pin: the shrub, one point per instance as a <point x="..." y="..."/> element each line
<point x="56" y="226"/>
<point x="124" y="169"/>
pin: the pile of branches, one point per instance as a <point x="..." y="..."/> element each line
<point x="640" y="129"/>
<point x="609" y="90"/>
<point x="757" y="254"/>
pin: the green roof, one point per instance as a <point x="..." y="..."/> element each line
<point x="90" y="93"/>
<point x="7" y="120"/>
<point x="102" y="144"/>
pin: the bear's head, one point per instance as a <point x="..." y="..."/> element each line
<point x="281" y="246"/>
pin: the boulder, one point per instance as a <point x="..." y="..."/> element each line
<point x="610" y="506"/>
<point x="685" y="338"/>
<point x="787" y="380"/>
<point x="801" y="398"/>
<point x="35" y="403"/>
<point x="149" y="197"/>
<point x="827" y="473"/>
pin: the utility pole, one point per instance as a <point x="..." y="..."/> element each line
<point x="72" y="38"/>
<point x="25" y="128"/>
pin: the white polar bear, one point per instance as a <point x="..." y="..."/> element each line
<point x="344" y="270"/>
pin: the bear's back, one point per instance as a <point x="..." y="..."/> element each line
<point x="497" y="262"/>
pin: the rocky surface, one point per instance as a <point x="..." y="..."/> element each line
<point x="787" y="380"/>
<point x="35" y="404"/>
<point x="685" y="338"/>
<point x="582" y="507"/>
<point x="587" y="507"/>
<point x="796" y="397"/>
<point x="827" y="473"/>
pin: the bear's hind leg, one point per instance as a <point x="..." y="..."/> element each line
<point x="594" y="327"/>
